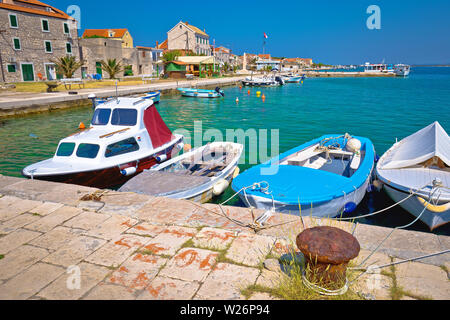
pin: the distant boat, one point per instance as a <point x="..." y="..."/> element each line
<point x="265" y="81"/>
<point x="420" y="163"/>
<point x="378" y="68"/>
<point x="402" y="70"/>
<point x="197" y="175"/>
<point x="293" y="79"/>
<point x="201" y="93"/>
<point x="323" y="178"/>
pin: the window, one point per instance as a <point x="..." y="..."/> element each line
<point x="13" y="21"/>
<point x="45" y="25"/>
<point x="65" y="149"/>
<point x="124" y="117"/>
<point x="16" y="42"/>
<point x="66" y="28"/>
<point x="68" y="48"/>
<point x="101" y="117"/>
<point x="11" y="68"/>
<point x="48" y="47"/>
<point x="87" y="150"/>
<point x="121" y="147"/>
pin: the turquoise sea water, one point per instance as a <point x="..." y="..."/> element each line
<point x="381" y="109"/>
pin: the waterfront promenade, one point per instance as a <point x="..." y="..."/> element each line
<point x="20" y="103"/>
<point x="130" y="246"/>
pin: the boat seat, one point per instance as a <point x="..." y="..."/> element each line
<point x="304" y="155"/>
<point x="317" y="163"/>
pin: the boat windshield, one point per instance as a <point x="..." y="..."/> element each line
<point x="87" y="150"/>
<point x="65" y="149"/>
<point x="101" y="117"/>
<point x="124" y="117"/>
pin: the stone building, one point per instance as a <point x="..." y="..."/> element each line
<point x="185" y="36"/>
<point x="32" y="34"/>
<point x="117" y="34"/>
<point x="149" y="61"/>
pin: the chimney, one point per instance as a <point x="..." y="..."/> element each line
<point x="157" y="44"/>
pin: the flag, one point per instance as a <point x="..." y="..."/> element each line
<point x="265" y="36"/>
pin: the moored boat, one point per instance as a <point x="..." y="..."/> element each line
<point x="197" y="175"/>
<point x="323" y="178"/>
<point x="201" y="93"/>
<point x="402" y="70"/>
<point x="263" y="81"/>
<point x="126" y="136"/>
<point x="420" y="165"/>
<point x="293" y="78"/>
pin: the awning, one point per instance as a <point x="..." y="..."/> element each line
<point x="197" y="59"/>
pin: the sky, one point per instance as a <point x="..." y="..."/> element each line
<point x="330" y="32"/>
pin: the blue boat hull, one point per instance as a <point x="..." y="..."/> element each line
<point x="199" y="93"/>
<point x="299" y="190"/>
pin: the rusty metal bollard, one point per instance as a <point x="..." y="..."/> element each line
<point x="327" y="251"/>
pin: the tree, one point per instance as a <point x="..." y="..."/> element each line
<point x="67" y="65"/>
<point x="112" y="67"/>
<point x="170" y="56"/>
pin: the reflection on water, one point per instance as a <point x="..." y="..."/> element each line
<point x="381" y="109"/>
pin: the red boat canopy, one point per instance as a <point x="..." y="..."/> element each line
<point x="156" y="127"/>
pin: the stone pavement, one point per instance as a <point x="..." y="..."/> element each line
<point x="129" y="246"/>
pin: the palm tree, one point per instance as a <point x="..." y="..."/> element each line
<point x="67" y="65"/>
<point x="112" y="67"/>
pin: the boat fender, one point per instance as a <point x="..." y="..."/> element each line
<point x="128" y="171"/>
<point x="434" y="208"/>
<point x="220" y="187"/>
<point x="161" y="158"/>
<point x="81" y="126"/>
<point x="354" y="145"/>
<point x="349" y="207"/>
<point x="187" y="147"/>
<point x="236" y="172"/>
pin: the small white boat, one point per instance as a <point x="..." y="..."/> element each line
<point x="126" y="137"/>
<point x="378" y="68"/>
<point x="290" y="78"/>
<point x="198" y="175"/>
<point x="402" y="70"/>
<point x="420" y="163"/>
<point x="201" y="93"/>
<point x="265" y="81"/>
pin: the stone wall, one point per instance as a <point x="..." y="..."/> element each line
<point x="32" y="41"/>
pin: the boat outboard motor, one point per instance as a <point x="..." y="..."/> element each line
<point x="220" y="92"/>
<point x="279" y="80"/>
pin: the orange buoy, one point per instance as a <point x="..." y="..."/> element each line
<point x="187" y="147"/>
<point x="81" y="126"/>
<point x="248" y="92"/>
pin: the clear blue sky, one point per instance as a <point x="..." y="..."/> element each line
<point x="333" y="32"/>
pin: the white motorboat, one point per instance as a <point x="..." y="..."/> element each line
<point x="126" y="136"/>
<point x="420" y="165"/>
<point x="402" y="70"/>
<point x="378" y="68"/>
<point x="197" y="175"/>
<point x="263" y="81"/>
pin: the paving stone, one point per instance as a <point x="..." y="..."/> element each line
<point x="126" y="204"/>
<point x="7" y="181"/>
<point x="56" y="238"/>
<point x="46" y="208"/>
<point x="137" y="271"/>
<point x="17" y="223"/>
<point x="190" y="264"/>
<point x="112" y="227"/>
<point x="165" y="210"/>
<point x="170" y="240"/>
<point x="117" y="250"/>
<point x="110" y="292"/>
<point x="90" y="276"/>
<point x="373" y="285"/>
<point x="17" y="208"/>
<point x="91" y="205"/>
<point x="226" y="281"/>
<point x="272" y="265"/>
<point x="19" y="260"/>
<point x="30" y="189"/>
<point x="146" y="229"/>
<point x="74" y="251"/>
<point x="423" y="279"/>
<point x="213" y="238"/>
<point x="28" y="283"/>
<point x="7" y="200"/>
<point x="54" y="219"/>
<point x="87" y="220"/>
<point x="377" y="259"/>
<point x="163" y="288"/>
<point x="250" y="249"/>
<point x="16" y="239"/>
<point x="270" y="279"/>
<point x="68" y="194"/>
<point x="262" y="296"/>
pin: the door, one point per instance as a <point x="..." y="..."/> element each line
<point x="50" y="71"/>
<point x="28" y="72"/>
<point x="98" y="67"/>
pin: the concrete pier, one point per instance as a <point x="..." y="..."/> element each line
<point x="130" y="246"/>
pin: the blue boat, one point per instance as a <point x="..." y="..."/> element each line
<point x="293" y="79"/>
<point x="323" y="178"/>
<point x="201" y="93"/>
<point x="155" y="96"/>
